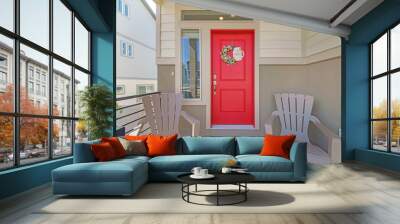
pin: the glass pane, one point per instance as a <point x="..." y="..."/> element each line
<point x="62" y="89"/>
<point x="379" y="135"/>
<point x="379" y="56"/>
<point x="6" y="142"/>
<point x="7" y="14"/>
<point x="190" y="64"/>
<point x="395" y="47"/>
<point x="62" y="138"/>
<point x="81" y="131"/>
<point x="379" y="98"/>
<point x="34" y="97"/>
<point x="395" y="94"/>
<point x="81" y="45"/>
<point x="62" y="29"/>
<point x="81" y="81"/>
<point x="35" y="21"/>
<point x="6" y="74"/>
<point x="33" y="140"/>
<point x="395" y="136"/>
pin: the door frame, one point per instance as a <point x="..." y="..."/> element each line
<point x="230" y="31"/>
<point x="205" y="28"/>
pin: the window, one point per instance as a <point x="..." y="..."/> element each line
<point x="123" y="8"/>
<point x="7" y="14"/>
<point x="120" y="90"/>
<point x="126" y="48"/>
<point x="34" y="21"/>
<point x="30" y="87"/>
<point x="81" y="45"/>
<point x="130" y="50"/>
<point x="144" y="88"/>
<point x="126" y="10"/>
<point x="385" y="94"/>
<point x="120" y="5"/>
<point x="62" y="29"/>
<point x="3" y="78"/>
<point x="123" y="48"/>
<point x="190" y="56"/>
<point x="30" y="72"/>
<point x="45" y="131"/>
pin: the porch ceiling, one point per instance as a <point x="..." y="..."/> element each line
<point x="326" y="16"/>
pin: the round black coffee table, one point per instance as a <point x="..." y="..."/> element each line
<point x="238" y="179"/>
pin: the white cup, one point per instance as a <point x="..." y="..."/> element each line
<point x="203" y="172"/>
<point x="196" y="171"/>
<point x="226" y="170"/>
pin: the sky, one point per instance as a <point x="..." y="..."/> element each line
<point x="35" y="27"/>
<point x="380" y="66"/>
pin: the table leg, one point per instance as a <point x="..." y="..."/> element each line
<point x="217" y="194"/>
<point x="196" y="187"/>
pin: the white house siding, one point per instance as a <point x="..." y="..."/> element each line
<point x="167" y="29"/>
<point x="289" y="60"/>
<point x="139" y="30"/>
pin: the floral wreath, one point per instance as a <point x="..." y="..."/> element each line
<point x="227" y="55"/>
<point x="231" y="54"/>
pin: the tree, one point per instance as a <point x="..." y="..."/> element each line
<point x="97" y="103"/>
<point x="33" y="131"/>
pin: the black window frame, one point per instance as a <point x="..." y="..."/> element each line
<point x="388" y="74"/>
<point x="16" y="115"/>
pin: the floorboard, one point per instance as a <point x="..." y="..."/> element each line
<point x="378" y="188"/>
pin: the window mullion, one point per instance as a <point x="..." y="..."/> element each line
<point x="50" y="81"/>
<point x="16" y="84"/>
<point x="389" y="100"/>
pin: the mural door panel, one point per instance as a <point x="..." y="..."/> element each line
<point x="232" y="77"/>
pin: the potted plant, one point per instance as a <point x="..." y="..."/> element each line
<point x="96" y="103"/>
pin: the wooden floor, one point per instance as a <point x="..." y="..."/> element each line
<point x="379" y="189"/>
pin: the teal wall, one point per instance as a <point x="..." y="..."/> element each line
<point x="355" y="88"/>
<point x="99" y="16"/>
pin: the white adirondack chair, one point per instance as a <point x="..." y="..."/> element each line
<point x="163" y="112"/>
<point x="294" y="113"/>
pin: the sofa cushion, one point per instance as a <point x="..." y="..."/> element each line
<point x="249" y="145"/>
<point x="112" y="171"/>
<point x="103" y="152"/>
<point x="83" y="152"/>
<point x="207" y="145"/>
<point x="257" y="163"/>
<point x="159" y="145"/>
<point x="185" y="163"/>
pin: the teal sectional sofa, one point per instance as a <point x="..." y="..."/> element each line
<point x="125" y="176"/>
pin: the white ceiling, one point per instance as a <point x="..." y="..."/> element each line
<point x="309" y="14"/>
<point x="320" y="9"/>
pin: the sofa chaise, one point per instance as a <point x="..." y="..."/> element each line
<point x="125" y="176"/>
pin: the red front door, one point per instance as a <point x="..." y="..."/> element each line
<point x="232" y="77"/>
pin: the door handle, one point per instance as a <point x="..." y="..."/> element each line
<point x="214" y="83"/>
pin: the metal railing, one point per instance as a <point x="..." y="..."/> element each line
<point x="130" y="114"/>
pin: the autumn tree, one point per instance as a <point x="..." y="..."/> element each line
<point x="380" y="127"/>
<point x="33" y="131"/>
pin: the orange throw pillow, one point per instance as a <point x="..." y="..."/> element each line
<point x="116" y="145"/>
<point x="161" y="145"/>
<point x="277" y="145"/>
<point x="103" y="152"/>
<point x="136" y="138"/>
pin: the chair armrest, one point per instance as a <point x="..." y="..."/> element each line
<point x="298" y="155"/>
<point x="193" y="121"/>
<point x="83" y="152"/>
<point x="270" y="122"/>
<point x="334" y="141"/>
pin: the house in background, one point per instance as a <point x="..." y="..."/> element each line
<point x="283" y="60"/>
<point x="136" y="50"/>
